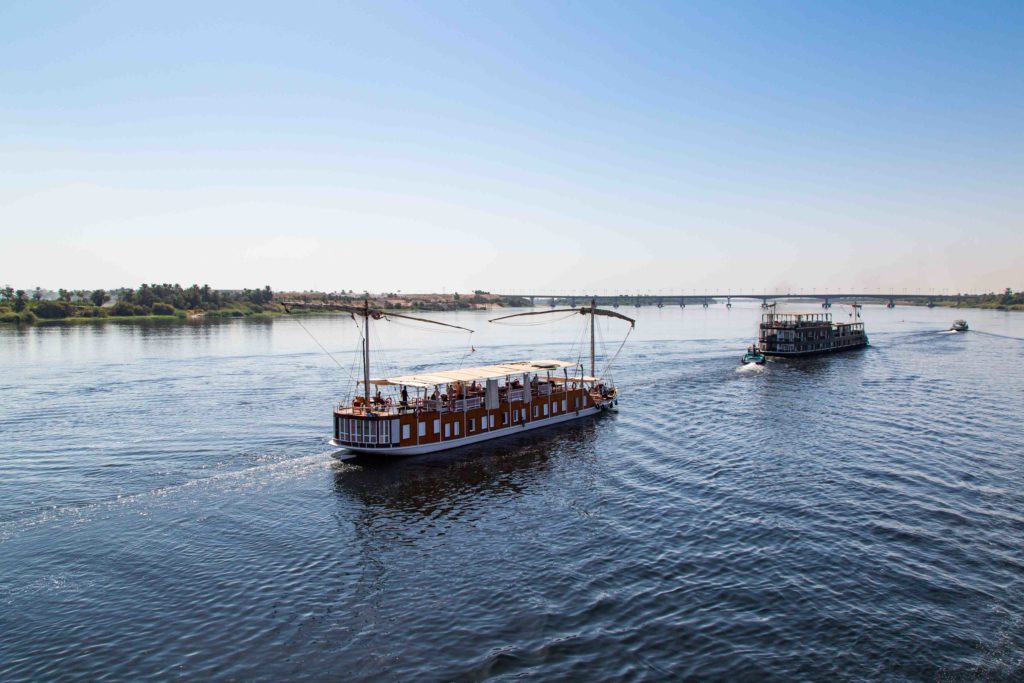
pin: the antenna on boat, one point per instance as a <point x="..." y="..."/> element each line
<point x="366" y="313"/>
<point x="592" y="310"/>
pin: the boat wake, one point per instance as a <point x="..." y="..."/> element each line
<point x="949" y="332"/>
<point x="751" y="369"/>
<point x="246" y="478"/>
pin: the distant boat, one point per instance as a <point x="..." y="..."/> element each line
<point x="805" y="334"/>
<point x="752" y="356"/>
<point x="959" y="326"/>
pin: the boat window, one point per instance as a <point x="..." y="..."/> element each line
<point x="504" y="419"/>
<point x="472" y="424"/>
<point x="535" y="411"/>
<point x="422" y="429"/>
<point x="437" y="426"/>
<point x="456" y="429"/>
<point x="492" y="421"/>
<point x="522" y="414"/>
<point x="405" y="432"/>
<point x="563" y="405"/>
<point x="545" y="410"/>
<point x="447" y="431"/>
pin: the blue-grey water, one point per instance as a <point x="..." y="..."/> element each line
<point x="170" y="507"/>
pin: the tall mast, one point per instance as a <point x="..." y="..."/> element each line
<point x="366" y="351"/>
<point x="593" y="305"/>
<point x="364" y="312"/>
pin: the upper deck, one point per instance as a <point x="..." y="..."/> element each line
<point x="466" y="389"/>
<point x="794" y="320"/>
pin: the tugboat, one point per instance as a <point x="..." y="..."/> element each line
<point x="805" y="334"/>
<point x="959" y="326"/>
<point x="752" y="356"/>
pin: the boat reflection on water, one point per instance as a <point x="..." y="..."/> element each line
<point x="452" y="482"/>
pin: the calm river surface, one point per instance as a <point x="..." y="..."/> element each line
<point x="170" y="507"/>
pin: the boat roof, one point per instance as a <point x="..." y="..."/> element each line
<point x="430" y="378"/>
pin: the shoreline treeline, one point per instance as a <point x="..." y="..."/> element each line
<point x="173" y="300"/>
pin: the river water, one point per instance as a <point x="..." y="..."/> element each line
<point x="170" y="507"/>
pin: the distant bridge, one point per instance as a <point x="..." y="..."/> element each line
<point x="706" y="300"/>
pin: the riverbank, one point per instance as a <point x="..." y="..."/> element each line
<point x="29" y="317"/>
<point x="986" y="305"/>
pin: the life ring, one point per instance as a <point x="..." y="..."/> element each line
<point x="574" y="386"/>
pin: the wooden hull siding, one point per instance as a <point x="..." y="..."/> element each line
<point x="410" y="432"/>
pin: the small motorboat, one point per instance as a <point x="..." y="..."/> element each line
<point x="752" y="356"/>
<point x="959" y="326"/>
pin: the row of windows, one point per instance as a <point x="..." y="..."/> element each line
<point x="452" y="428"/>
<point x="352" y="430"/>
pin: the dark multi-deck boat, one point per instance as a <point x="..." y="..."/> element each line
<point x="805" y="334"/>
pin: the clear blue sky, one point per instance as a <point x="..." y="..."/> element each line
<point x="421" y="146"/>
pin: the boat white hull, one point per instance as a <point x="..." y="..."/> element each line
<point x="477" y="438"/>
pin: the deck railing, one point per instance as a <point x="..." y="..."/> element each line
<point x="446" y="405"/>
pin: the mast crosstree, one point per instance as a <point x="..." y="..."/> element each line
<point x="592" y="310"/>
<point x="367" y="314"/>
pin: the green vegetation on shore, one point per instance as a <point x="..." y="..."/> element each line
<point x="1008" y="300"/>
<point x="149" y="301"/>
<point x="169" y="302"/>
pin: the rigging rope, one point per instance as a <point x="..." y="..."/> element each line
<point x="324" y="349"/>
<point x="543" y="322"/>
<point x="468" y="347"/>
<point x="612" y="359"/>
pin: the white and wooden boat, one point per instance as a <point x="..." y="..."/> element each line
<point x="436" y="410"/>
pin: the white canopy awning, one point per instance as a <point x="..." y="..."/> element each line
<point x="507" y="369"/>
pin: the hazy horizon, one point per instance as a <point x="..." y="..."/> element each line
<point x="569" y="147"/>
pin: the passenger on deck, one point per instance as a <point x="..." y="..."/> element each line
<point x="405" y="398"/>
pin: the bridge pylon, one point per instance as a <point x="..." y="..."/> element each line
<point x="826" y="303"/>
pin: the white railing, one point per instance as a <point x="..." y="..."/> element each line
<point x="470" y="403"/>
